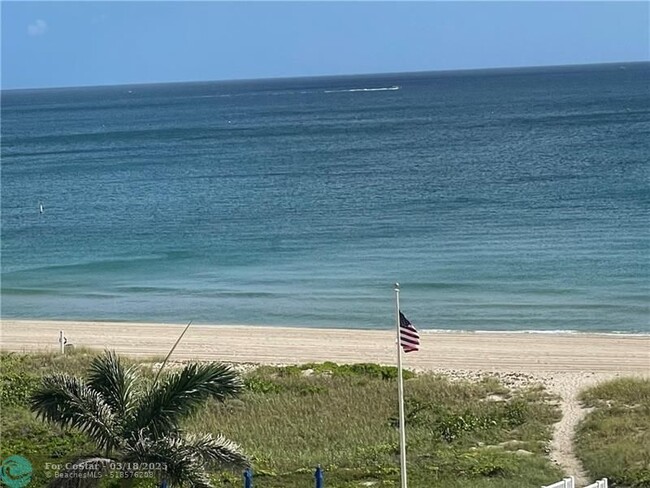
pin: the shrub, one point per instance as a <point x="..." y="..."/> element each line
<point x="16" y="384"/>
<point x="613" y="440"/>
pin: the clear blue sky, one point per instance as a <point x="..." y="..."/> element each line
<point x="49" y="44"/>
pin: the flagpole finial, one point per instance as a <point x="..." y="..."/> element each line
<point x="397" y="286"/>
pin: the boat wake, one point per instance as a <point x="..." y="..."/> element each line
<point x="389" y="88"/>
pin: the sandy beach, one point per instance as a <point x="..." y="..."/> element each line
<point x="504" y="352"/>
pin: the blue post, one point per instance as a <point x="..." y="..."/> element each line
<point x="319" y="477"/>
<point x="163" y="484"/>
<point x="248" y="478"/>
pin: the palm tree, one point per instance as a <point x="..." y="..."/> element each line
<point x="134" y="421"/>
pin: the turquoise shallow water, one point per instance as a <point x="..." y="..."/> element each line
<point x="500" y="200"/>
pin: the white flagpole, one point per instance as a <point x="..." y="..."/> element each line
<point x="400" y="386"/>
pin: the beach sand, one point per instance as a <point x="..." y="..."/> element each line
<point x="564" y="363"/>
<point x="513" y="352"/>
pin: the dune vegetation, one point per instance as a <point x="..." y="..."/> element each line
<point x="613" y="440"/>
<point x="288" y="420"/>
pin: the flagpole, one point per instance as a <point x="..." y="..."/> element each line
<point x="400" y="386"/>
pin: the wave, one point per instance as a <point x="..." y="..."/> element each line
<point x="27" y="291"/>
<point x="192" y="292"/>
<point x="103" y="265"/>
<point x="426" y="285"/>
<point x="56" y="292"/>
<point x="534" y="331"/>
<point x="389" y="88"/>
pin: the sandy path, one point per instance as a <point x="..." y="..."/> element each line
<point x="568" y="387"/>
<point x="565" y="363"/>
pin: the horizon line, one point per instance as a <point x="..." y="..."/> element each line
<point x="350" y="75"/>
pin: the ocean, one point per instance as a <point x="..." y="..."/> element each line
<point x="504" y="200"/>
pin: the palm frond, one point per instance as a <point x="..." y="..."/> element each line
<point x="217" y="450"/>
<point x="180" y="464"/>
<point x="82" y="473"/>
<point x="68" y="402"/>
<point x="116" y="383"/>
<point x="162" y="407"/>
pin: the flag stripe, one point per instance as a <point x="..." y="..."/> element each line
<point x="409" y="337"/>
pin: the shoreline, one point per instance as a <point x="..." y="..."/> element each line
<point x="612" y="333"/>
<point x="499" y="351"/>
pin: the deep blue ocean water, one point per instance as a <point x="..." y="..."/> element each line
<point x="500" y="200"/>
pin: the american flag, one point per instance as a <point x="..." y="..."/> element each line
<point x="409" y="337"/>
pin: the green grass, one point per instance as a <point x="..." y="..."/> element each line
<point x="613" y="440"/>
<point x="460" y="434"/>
<point x="21" y="432"/>
<point x="344" y="418"/>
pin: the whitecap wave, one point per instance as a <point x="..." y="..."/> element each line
<point x="536" y="331"/>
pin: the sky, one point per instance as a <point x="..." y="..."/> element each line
<point x="57" y="44"/>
